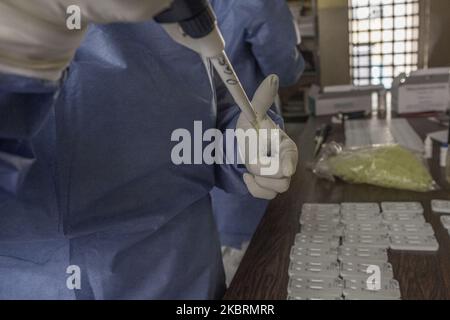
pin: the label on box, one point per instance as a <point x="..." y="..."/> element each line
<point x="423" y="97"/>
<point x="326" y="104"/>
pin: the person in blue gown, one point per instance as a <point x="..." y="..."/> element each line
<point x="91" y="204"/>
<point x="103" y="193"/>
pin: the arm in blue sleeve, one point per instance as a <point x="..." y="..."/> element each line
<point x="24" y="106"/>
<point x="229" y="176"/>
<point x="274" y="40"/>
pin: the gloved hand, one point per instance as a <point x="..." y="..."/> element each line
<point x="271" y="168"/>
<point x="36" y="42"/>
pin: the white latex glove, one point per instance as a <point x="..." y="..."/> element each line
<point x="261" y="181"/>
<point x="34" y="38"/>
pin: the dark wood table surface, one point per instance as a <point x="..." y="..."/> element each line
<point x="263" y="273"/>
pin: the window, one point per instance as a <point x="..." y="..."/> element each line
<point x="384" y="39"/>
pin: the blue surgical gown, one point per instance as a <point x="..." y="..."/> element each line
<point x="24" y="107"/>
<point x="103" y="193"/>
<point x="260" y="40"/>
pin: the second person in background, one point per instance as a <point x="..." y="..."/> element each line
<point x="261" y="39"/>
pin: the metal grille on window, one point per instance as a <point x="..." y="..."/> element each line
<point x="384" y="40"/>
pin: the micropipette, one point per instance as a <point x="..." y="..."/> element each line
<point x="226" y="72"/>
<point x="193" y="24"/>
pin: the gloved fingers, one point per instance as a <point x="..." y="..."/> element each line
<point x="265" y="96"/>
<point x="287" y="143"/>
<point x="289" y="160"/>
<point x="256" y="190"/>
<point x="289" y="157"/>
<point x="277" y="185"/>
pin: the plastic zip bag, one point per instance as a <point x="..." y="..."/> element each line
<point x="389" y="166"/>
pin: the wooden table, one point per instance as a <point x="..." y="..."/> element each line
<point x="263" y="273"/>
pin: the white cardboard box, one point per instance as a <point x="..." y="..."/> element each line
<point x="422" y="91"/>
<point x="342" y="99"/>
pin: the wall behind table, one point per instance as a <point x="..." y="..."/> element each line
<point x="435" y="33"/>
<point x="334" y="38"/>
<point x="334" y="42"/>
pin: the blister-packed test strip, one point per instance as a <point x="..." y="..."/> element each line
<point x="354" y="270"/>
<point x="370" y="297"/>
<point x="360" y="207"/>
<point x="308" y="217"/>
<point x="406" y="215"/>
<point x="322" y="228"/>
<point x="321" y="208"/>
<point x="445" y="220"/>
<point x="359" y="283"/>
<point x="315" y="286"/>
<point x="364" y="255"/>
<point x="371" y="241"/>
<point x="331" y="241"/>
<point x="362" y="217"/>
<point x="313" y="254"/>
<point x="312" y="247"/>
<point x="316" y="269"/>
<point x="389" y="294"/>
<point x="414" y="243"/>
<point x="440" y="206"/>
<point x="359" y="289"/>
<point x="395" y="207"/>
<point x="367" y="228"/>
<point x="313" y="297"/>
<point x="411" y="229"/>
<point x="397" y="218"/>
